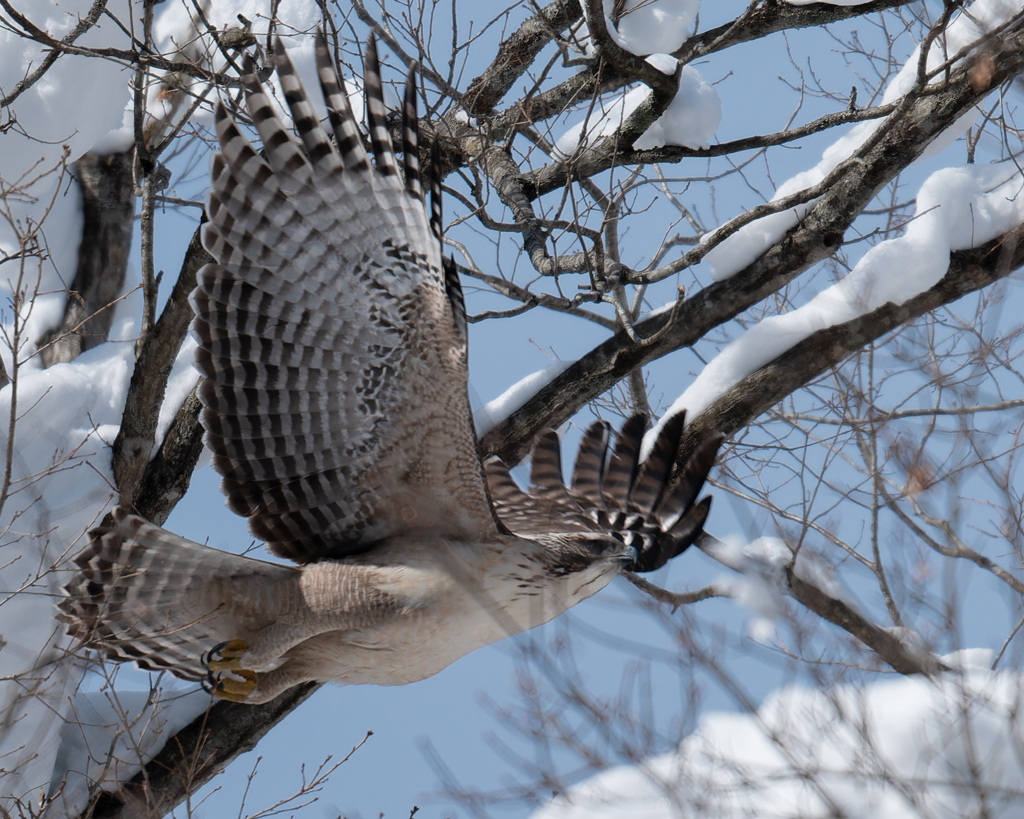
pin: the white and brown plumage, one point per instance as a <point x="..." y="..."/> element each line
<point x="332" y="339"/>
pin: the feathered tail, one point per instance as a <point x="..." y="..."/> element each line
<point x="141" y="593"/>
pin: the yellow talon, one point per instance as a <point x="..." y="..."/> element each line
<point x="235" y="690"/>
<point x="228" y="656"/>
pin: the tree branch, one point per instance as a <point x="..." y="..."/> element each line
<point x="135" y="438"/>
<point x="850" y="187"/>
<point x="194" y="755"/>
<point x="894" y="653"/>
<point x="108" y="206"/>
<point x="516" y="55"/>
<point x="969" y="271"/>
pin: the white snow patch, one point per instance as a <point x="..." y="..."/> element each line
<point x="61" y="486"/>
<point x="66" y="415"/>
<point x="180" y="383"/>
<point x="665" y="63"/>
<point x="761" y="583"/>
<point x="898" y="749"/>
<point x="500" y="408"/>
<point x="690" y="120"/>
<point x="650" y="26"/>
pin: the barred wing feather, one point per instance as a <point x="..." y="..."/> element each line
<point x="335" y="393"/>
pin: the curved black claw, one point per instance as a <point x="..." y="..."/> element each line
<point x="226" y="679"/>
<point x="233" y="686"/>
<point x="226" y="656"/>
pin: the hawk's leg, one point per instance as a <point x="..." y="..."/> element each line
<point x="236" y="668"/>
<point x="329" y="597"/>
<point x="235" y="686"/>
<point x="226" y="656"/>
<point x="257" y="688"/>
<point x="304" y="664"/>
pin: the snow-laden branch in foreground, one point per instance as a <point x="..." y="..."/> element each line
<point x="60" y="487"/>
<point x="500" y="408"/>
<point x="957" y="209"/>
<point x="910" y="747"/>
<point x="748" y="243"/>
<point x="107" y="737"/>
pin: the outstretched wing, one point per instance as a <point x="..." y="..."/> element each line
<point x="335" y="395"/>
<point x="618" y="496"/>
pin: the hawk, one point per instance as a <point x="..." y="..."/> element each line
<point x="332" y="341"/>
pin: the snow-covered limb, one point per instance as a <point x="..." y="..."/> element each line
<point x="156" y="391"/>
<point x="109" y="735"/>
<point x="500" y="409"/>
<point x="59" y="486"/>
<point x="755" y="23"/>
<point x="957" y="209"/>
<point x="57" y="421"/>
<point x="201" y="750"/>
<point x="968" y="271"/>
<point x="964" y="31"/>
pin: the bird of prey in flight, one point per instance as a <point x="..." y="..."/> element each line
<point x="332" y="344"/>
